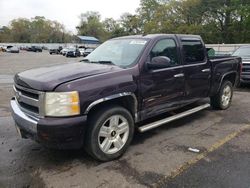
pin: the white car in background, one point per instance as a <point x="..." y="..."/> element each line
<point x="87" y="52"/>
<point x="13" y="49"/>
<point x="82" y="50"/>
<point x="65" y="50"/>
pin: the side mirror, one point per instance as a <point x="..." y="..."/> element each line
<point x="159" y="62"/>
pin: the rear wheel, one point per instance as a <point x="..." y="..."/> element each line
<point x="222" y="100"/>
<point x="110" y="132"/>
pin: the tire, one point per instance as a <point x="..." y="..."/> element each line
<point x="222" y="100"/>
<point x="109" y="144"/>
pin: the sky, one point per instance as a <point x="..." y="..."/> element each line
<point x="64" y="11"/>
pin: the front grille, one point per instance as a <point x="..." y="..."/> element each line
<point x="29" y="100"/>
<point x="33" y="109"/>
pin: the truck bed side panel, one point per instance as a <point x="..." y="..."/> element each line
<point x="222" y="67"/>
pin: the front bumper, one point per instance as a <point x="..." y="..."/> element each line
<point x="59" y="133"/>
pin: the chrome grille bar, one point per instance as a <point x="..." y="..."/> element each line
<point x="29" y="100"/>
<point x="25" y="99"/>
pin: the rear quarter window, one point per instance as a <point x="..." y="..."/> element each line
<point x="193" y="51"/>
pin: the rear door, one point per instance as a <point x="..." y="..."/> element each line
<point x="196" y="69"/>
<point x="162" y="89"/>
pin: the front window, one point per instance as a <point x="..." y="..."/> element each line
<point x="120" y="52"/>
<point x="243" y="52"/>
<point x="167" y="48"/>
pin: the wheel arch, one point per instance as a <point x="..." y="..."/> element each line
<point x="230" y="76"/>
<point x="127" y="100"/>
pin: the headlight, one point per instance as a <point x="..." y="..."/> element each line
<point x="62" y="104"/>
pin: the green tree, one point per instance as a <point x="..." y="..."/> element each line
<point x="131" y="24"/>
<point x="113" y="28"/>
<point x="20" y="30"/>
<point x="37" y="29"/>
<point x="5" y="34"/>
<point x="91" y="25"/>
<point x="230" y="18"/>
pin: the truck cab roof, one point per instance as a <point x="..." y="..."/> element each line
<point x="155" y="36"/>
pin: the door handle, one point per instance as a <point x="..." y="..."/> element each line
<point x="179" y="75"/>
<point x="206" y="70"/>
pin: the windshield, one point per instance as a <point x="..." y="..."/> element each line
<point x="120" y="52"/>
<point x="242" y="52"/>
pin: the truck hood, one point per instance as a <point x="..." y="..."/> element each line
<point x="47" y="78"/>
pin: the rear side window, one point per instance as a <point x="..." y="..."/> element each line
<point x="193" y="51"/>
<point x="166" y="47"/>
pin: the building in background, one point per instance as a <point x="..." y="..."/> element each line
<point x="87" y="41"/>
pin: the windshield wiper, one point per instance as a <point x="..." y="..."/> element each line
<point x="84" y="60"/>
<point x="103" y="62"/>
<point x="106" y="62"/>
<point x="100" y="62"/>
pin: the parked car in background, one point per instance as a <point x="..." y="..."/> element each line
<point x="73" y="52"/>
<point x="44" y="47"/>
<point x="87" y="51"/>
<point x="13" y="49"/>
<point x="64" y="51"/>
<point x="55" y="50"/>
<point x="6" y="48"/>
<point x="23" y="48"/>
<point x="244" y="53"/>
<point x="82" y="50"/>
<point x="35" y="49"/>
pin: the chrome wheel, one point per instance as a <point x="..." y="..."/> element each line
<point x="226" y="96"/>
<point x="113" y="134"/>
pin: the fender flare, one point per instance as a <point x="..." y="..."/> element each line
<point x="115" y="96"/>
<point x="224" y="75"/>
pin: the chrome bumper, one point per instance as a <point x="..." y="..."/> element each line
<point x="22" y="120"/>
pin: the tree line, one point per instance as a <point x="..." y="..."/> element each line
<point x="35" y="30"/>
<point x="217" y="21"/>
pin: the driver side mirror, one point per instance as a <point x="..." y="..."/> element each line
<point x="159" y="62"/>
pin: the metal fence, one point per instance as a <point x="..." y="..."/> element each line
<point x="225" y="48"/>
<point x="49" y="45"/>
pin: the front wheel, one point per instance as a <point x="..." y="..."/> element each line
<point x="110" y="132"/>
<point x="222" y="100"/>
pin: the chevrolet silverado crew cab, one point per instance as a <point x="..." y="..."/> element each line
<point x="98" y="103"/>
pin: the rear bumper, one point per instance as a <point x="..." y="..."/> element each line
<point x="59" y="133"/>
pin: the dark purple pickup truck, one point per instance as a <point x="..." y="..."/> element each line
<point x="99" y="102"/>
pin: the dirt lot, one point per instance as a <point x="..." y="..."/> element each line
<point x="159" y="158"/>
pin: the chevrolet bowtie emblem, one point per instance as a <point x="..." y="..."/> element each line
<point x="18" y="95"/>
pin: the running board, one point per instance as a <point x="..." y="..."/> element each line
<point x="158" y="123"/>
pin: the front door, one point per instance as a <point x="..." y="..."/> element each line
<point x="162" y="89"/>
